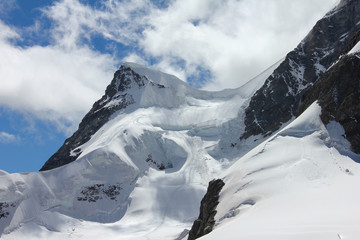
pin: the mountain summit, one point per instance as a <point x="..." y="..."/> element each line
<point x="283" y="149"/>
<point x="118" y="95"/>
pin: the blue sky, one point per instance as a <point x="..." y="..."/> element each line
<point x="59" y="56"/>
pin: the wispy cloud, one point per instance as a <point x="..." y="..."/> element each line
<point x="120" y="21"/>
<point x="8" y="138"/>
<point x="5" y="6"/>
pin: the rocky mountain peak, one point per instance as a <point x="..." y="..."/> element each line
<point x="118" y="95"/>
<point x="124" y="78"/>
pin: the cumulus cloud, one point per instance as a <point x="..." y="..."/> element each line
<point x="230" y="41"/>
<point x="8" y="138"/>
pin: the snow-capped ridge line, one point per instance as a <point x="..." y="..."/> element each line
<point x="246" y="90"/>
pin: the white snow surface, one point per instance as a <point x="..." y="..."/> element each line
<point x="355" y="49"/>
<point x="299" y="184"/>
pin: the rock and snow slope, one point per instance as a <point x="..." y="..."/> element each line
<point x="276" y="102"/>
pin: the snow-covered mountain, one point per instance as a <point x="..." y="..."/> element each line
<point x="140" y="163"/>
<point x="147" y="164"/>
<point x="176" y="107"/>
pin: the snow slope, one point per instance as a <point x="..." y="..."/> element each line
<point x="299" y="184"/>
<point x="355" y="49"/>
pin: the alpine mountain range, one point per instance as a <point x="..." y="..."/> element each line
<point x="277" y="158"/>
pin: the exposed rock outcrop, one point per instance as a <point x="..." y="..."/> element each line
<point x="338" y="93"/>
<point x="4" y="209"/>
<point x="99" y="191"/>
<point x="205" y="222"/>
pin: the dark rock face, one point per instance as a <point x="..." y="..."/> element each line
<point x="338" y="93"/>
<point x="276" y="102"/>
<point x="205" y="222"/>
<point x="5" y="208"/>
<point x="159" y="166"/>
<point x="117" y="97"/>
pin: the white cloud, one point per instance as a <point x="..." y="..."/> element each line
<point x="235" y="40"/>
<point x="232" y="39"/>
<point x="6" y="33"/>
<point x="52" y="83"/>
<point x="8" y="138"/>
<point x="134" y="57"/>
<point x="120" y="21"/>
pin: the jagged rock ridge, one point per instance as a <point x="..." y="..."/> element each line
<point x="276" y="102"/>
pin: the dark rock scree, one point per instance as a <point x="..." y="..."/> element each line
<point x="205" y="222"/>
